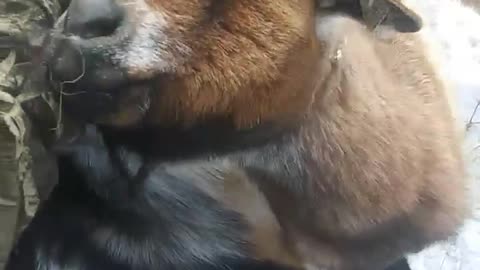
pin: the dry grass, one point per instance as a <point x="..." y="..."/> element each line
<point x="472" y="120"/>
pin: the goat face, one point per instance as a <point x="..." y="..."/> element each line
<point x="121" y="61"/>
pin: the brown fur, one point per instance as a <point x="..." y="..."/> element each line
<point x="373" y="169"/>
<point x="243" y="49"/>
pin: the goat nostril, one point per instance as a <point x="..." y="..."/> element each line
<point x="93" y="18"/>
<point x="100" y="27"/>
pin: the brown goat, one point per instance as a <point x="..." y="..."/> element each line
<point x="335" y="110"/>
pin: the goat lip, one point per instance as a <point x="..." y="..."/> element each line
<point x="104" y="79"/>
<point x="76" y="67"/>
<point x="90" y="84"/>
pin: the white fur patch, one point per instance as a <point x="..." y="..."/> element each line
<point x="44" y="262"/>
<point x="327" y="25"/>
<point x="151" y="50"/>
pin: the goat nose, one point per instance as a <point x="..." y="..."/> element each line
<point x="93" y="18"/>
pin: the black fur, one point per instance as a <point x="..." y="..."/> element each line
<point x="401" y="264"/>
<point x="111" y="211"/>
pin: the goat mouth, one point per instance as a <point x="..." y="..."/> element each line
<point x="71" y="64"/>
<point x="87" y="83"/>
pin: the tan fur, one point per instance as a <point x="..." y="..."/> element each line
<point x="388" y="151"/>
<point x="377" y="139"/>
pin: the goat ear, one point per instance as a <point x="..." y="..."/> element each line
<point x="393" y="13"/>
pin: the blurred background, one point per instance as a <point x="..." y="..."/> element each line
<point x="455" y="26"/>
